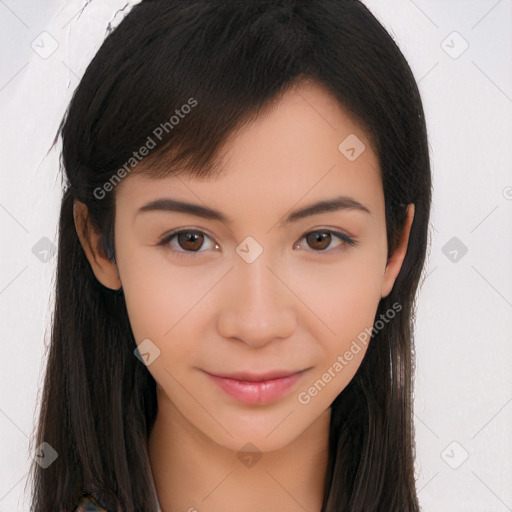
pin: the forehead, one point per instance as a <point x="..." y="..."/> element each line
<point x="303" y="148"/>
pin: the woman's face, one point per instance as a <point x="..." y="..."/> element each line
<point x="254" y="292"/>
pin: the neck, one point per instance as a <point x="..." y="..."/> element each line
<point x="193" y="473"/>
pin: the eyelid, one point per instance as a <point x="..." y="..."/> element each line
<point x="345" y="239"/>
<point x="165" y="240"/>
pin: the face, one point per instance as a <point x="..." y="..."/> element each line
<point x="258" y="292"/>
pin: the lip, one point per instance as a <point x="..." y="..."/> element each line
<point x="257" y="377"/>
<point x="253" y="388"/>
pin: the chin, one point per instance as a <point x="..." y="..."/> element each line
<point x="267" y="433"/>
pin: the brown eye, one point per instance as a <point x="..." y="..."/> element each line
<point x="190" y="240"/>
<point x="319" y="240"/>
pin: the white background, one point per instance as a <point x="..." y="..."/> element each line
<point x="463" y="402"/>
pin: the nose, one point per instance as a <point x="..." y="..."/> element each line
<point x="257" y="304"/>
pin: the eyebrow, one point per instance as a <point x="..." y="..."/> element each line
<point x="327" y="205"/>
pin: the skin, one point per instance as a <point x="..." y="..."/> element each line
<point x="291" y="308"/>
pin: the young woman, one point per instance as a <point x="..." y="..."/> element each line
<point x="243" y="228"/>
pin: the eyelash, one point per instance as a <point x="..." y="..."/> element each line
<point x="346" y="240"/>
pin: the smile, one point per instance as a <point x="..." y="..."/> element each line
<point x="255" y="391"/>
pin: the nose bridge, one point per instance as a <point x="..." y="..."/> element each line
<point x="259" y="283"/>
<point x="256" y="281"/>
<point x="259" y="307"/>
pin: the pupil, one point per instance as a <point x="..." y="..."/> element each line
<point x="189" y="238"/>
<point x="319" y="237"/>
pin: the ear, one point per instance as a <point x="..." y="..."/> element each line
<point x="394" y="263"/>
<point x="104" y="269"/>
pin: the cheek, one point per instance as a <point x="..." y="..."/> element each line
<point x="160" y="296"/>
<point x="345" y="298"/>
<point x="351" y="321"/>
<point x="344" y="295"/>
<point x="160" y="305"/>
<point x="349" y="312"/>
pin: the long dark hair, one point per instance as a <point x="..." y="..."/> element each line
<point x="232" y="58"/>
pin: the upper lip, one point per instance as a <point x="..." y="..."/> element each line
<point x="257" y="377"/>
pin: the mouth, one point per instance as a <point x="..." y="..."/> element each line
<point x="252" y="388"/>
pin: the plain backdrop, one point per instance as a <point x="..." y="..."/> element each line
<point x="460" y="52"/>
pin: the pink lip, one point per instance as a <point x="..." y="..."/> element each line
<point x="254" y="390"/>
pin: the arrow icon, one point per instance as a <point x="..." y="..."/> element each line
<point x="454" y="455"/>
<point x="454" y="249"/>
<point x="249" y="249"/>
<point x="146" y="352"/>
<point x="44" y="249"/>
<point x="249" y="455"/>
<point x="45" y="454"/>
<point x="454" y="45"/>
<point x="351" y="147"/>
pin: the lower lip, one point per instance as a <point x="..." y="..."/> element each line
<point x="257" y="392"/>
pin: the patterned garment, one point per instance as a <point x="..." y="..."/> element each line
<point x="89" y="504"/>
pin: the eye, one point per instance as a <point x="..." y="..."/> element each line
<point x="185" y="242"/>
<point x="321" y="239"/>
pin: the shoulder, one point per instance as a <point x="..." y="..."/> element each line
<point x="89" y="504"/>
